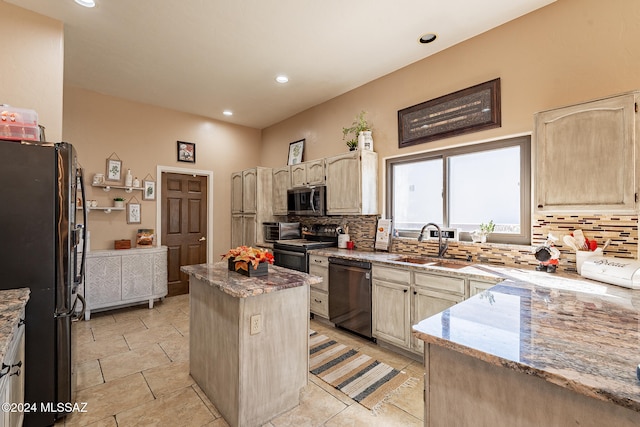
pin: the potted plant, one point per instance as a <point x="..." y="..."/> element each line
<point x="361" y="131"/>
<point x="118" y="202"/>
<point x="240" y="257"/>
<point x="480" y="236"/>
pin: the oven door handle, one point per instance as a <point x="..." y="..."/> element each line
<point x="285" y="252"/>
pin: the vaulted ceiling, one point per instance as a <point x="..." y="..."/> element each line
<point x="207" y="56"/>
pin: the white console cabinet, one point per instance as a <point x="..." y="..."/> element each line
<point x="116" y="278"/>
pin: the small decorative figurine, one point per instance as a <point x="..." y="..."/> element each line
<point x="548" y="255"/>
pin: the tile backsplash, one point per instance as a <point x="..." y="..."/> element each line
<point x="621" y="229"/>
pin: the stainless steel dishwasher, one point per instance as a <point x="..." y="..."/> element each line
<point x="350" y="295"/>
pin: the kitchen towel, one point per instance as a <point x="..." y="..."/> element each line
<point x="365" y="380"/>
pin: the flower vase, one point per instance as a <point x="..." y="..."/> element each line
<point x="118" y="204"/>
<point x="478" y="237"/>
<point x="262" y="270"/>
<point x="361" y="140"/>
<point x="368" y="140"/>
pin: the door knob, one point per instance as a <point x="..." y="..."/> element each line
<point x="202" y="239"/>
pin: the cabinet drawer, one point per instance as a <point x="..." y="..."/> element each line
<point x="443" y="283"/>
<point x="391" y="274"/>
<point x="323" y="272"/>
<point x="319" y="303"/>
<point x="318" y="260"/>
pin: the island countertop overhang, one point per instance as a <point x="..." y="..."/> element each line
<point x="579" y="334"/>
<point x="239" y="286"/>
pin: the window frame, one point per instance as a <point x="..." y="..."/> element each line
<point x="522" y="141"/>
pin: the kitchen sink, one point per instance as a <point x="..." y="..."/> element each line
<point x="414" y="260"/>
<point x="446" y="264"/>
<point x="430" y="261"/>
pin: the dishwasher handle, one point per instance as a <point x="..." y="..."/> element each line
<point x="365" y="265"/>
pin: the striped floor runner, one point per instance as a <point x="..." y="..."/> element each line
<point x="365" y="380"/>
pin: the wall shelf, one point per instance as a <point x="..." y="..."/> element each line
<point x="105" y="209"/>
<point x="108" y="187"/>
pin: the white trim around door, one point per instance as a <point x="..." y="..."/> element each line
<point x="185" y="171"/>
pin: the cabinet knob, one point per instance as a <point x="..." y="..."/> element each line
<point x="405" y="291"/>
<point x="415" y="292"/>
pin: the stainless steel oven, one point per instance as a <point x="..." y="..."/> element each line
<point x="294" y="254"/>
<point x="274" y="231"/>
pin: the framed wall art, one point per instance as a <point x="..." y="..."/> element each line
<point x="296" y="149"/>
<point x="114" y="170"/>
<point x="186" y="152"/>
<point x="468" y="110"/>
<point x="134" y="214"/>
<point x="149" y="190"/>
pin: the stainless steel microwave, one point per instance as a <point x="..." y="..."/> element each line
<point x="307" y="201"/>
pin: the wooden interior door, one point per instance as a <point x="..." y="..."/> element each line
<point x="184" y="226"/>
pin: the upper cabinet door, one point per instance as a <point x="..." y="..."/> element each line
<point x="249" y="190"/>
<point x="587" y="157"/>
<point x="281" y="181"/>
<point x="298" y="175"/>
<point x="315" y="172"/>
<point x="236" y="192"/>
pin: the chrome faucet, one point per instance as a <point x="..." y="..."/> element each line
<point x="442" y="248"/>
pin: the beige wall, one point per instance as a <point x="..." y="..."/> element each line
<point x="31" y="65"/>
<point x="143" y="137"/>
<point x="569" y="51"/>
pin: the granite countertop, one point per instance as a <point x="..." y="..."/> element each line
<point x="239" y="286"/>
<point x="12" y="304"/>
<point x="576" y="333"/>
<point x="462" y="268"/>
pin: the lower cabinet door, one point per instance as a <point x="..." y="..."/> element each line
<point x="319" y="303"/>
<point x="427" y="303"/>
<point x="391" y="313"/>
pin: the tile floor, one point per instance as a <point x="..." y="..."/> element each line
<point x="133" y="369"/>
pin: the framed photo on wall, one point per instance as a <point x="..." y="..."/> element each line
<point x="134" y="214"/>
<point x="296" y="149"/>
<point x="186" y="152"/>
<point x="149" y="190"/>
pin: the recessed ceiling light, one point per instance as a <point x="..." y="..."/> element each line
<point x="86" y="3"/>
<point x="282" y="79"/>
<point x="227" y="113"/>
<point x="427" y="38"/>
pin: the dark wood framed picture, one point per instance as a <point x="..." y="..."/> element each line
<point x="468" y="110"/>
<point x="186" y="152"/>
<point x="296" y="149"/>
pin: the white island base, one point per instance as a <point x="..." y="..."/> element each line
<point x="249" y="378"/>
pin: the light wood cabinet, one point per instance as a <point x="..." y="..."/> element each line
<point x="281" y="183"/>
<point x="116" y="278"/>
<point x="236" y="192"/>
<point x="352" y="183"/>
<point x="391" y="305"/>
<point x="432" y="294"/>
<point x="478" y="286"/>
<point x="587" y="156"/>
<point x="402" y="298"/>
<point x="319" y="295"/>
<point x="12" y="378"/>
<point x="256" y="195"/>
<point x="308" y="173"/>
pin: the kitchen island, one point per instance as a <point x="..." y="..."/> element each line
<point x="536" y="349"/>
<point x="248" y="340"/>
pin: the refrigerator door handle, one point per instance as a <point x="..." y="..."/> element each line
<point x="80" y="277"/>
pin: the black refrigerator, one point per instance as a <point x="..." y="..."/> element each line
<point x="39" y="185"/>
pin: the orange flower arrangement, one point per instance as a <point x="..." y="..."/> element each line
<point x="243" y="255"/>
